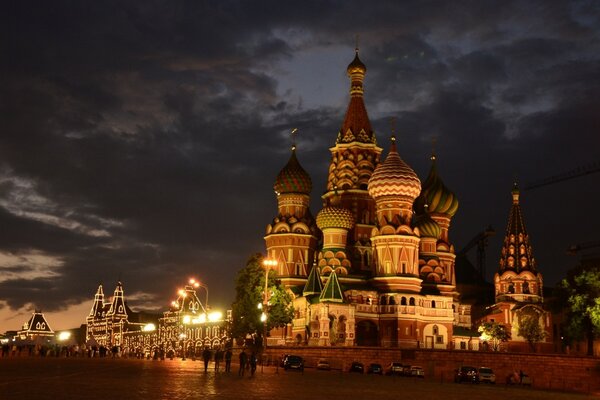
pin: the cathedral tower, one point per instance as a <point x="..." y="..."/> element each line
<point x="353" y="160"/>
<point x="394" y="186"/>
<point x="291" y="238"/>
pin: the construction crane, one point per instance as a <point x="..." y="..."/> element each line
<point x="480" y="240"/>
<point x="574" y="173"/>
<point x="575" y="248"/>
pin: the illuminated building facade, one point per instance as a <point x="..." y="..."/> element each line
<point x="184" y="329"/>
<point x="36" y="329"/>
<point x="376" y="266"/>
<point x="518" y="284"/>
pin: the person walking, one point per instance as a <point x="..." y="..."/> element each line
<point x="253" y="362"/>
<point x="228" y="355"/>
<point x="243" y="361"/>
<point x="218" y="359"/>
<point x="206" y="357"/>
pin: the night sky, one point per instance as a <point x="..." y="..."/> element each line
<point x="139" y="141"/>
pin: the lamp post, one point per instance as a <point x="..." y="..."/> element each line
<point x="268" y="263"/>
<point x="200" y="284"/>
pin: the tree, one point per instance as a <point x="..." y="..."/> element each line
<point x="249" y="287"/>
<point x="581" y="292"/>
<point x="531" y="330"/>
<point x="495" y="333"/>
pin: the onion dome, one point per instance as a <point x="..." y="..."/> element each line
<point x="356" y="66"/>
<point x="394" y="177"/>
<point x="439" y="198"/>
<point x="334" y="216"/>
<point x="293" y="178"/>
<point x="427" y="226"/>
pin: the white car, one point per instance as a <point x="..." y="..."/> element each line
<point x="417" y="371"/>
<point x="486" y="375"/>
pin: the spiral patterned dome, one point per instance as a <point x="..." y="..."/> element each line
<point x="394" y="177"/>
<point x="427" y="226"/>
<point x="439" y="198"/>
<point x="335" y="217"/>
<point x="293" y="178"/>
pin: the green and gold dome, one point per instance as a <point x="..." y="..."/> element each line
<point x="436" y="195"/>
<point x="293" y="178"/>
<point x="333" y="216"/>
<point x="427" y="226"/>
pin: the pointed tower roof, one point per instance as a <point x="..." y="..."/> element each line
<point x="356" y="126"/>
<point x="517" y="254"/>
<point x="332" y="291"/>
<point x="37" y="325"/>
<point x="117" y="306"/>
<point x="293" y="178"/>
<point x="436" y="195"/>
<point x="394" y="177"/>
<point x="98" y="305"/>
<point x="313" y="284"/>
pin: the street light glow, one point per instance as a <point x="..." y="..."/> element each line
<point x="215" y="316"/>
<point x="65" y="335"/>
<point x="149" y="328"/>
<point x="187" y="319"/>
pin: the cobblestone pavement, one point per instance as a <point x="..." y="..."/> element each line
<point x="91" y="379"/>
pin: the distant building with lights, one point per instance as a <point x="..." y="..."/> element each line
<point x="376" y="267"/>
<point x="186" y="328"/>
<point x="36" y="329"/>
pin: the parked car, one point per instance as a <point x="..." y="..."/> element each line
<point x="323" y="364"/>
<point x="466" y="374"/>
<point x="486" y="375"/>
<point x="357" y="367"/>
<point x="293" y="362"/>
<point x="375" y="368"/>
<point x="282" y="360"/>
<point x="417" y="371"/>
<point x="395" y="368"/>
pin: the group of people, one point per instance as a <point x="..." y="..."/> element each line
<point x="219" y="356"/>
<point x="247" y="362"/>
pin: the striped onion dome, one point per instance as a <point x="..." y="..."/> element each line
<point x="334" y="216"/>
<point x="427" y="226"/>
<point x="293" y="178"/>
<point x="439" y="198"/>
<point x="394" y="177"/>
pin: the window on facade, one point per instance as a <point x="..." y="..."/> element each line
<point x="411" y="301"/>
<point x="436" y="330"/>
<point x="463" y="345"/>
<point x="403" y="301"/>
<point x="392" y="300"/>
<point x="432" y="303"/>
<point x="439" y="339"/>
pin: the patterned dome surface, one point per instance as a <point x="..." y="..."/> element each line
<point x="437" y="196"/>
<point x="293" y="178"/>
<point x="427" y="226"/>
<point x="335" y="217"/>
<point x="394" y="177"/>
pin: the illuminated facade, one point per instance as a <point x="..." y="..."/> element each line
<point x="518" y="284"/>
<point x="376" y="266"/>
<point x="185" y="329"/>
<point x="36" y="329"/>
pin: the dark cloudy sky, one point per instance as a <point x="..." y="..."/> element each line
<point x="140" y="140"/>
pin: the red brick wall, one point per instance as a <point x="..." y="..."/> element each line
<point x="547" y="371"/>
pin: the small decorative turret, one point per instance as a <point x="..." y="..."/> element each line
<point x="98" y="306"/>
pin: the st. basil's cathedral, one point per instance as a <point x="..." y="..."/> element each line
<point x="376" y="267"/>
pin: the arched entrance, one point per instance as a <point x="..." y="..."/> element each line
<point x="366" y="334"/>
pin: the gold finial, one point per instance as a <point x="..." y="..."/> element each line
<point x="433" y="143"/>
<point x="356" y="43"/>
<point x="293" y="133"/>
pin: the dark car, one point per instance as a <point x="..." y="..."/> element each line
<point x="293" y="362"/>
<point x="375" y="369"/>
<point x="466" y="374"/>
<point x="395" y="368"/>
<point x="357" y="367"/>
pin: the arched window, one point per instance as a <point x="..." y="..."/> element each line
<point x="436" y="331"/>
<point x="392" y="300"/>
<point x="411" y="301"/>
<point x="403" y="301"/>
<point x="433" y="304"/>
<point x="383" y="301"/>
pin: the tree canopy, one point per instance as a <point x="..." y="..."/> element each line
<point x="250" y="287"/>
<point x="531" y="330"/>
<point x="581" y="292"/>
<point x="495" y="333"/>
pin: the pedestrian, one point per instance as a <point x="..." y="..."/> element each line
<point x="521" y="376"/>
<point x="228" y="355"/>
<point x="253" y="362"/>
<point x="243" y="360"/>
<point x="218" y="359"/>
<point x="206" y="357"/>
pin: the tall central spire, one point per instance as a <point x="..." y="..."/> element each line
<point x="356" y="126"/>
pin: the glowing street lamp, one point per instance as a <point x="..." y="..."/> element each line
<point x="268" y="264"/>
<point x="198" y="284"/>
